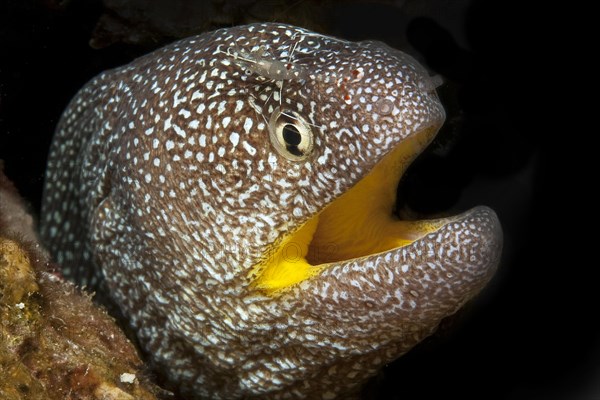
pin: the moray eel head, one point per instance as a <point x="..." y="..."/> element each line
<point x="233" y="193"/>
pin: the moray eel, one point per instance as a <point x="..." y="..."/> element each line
<point x="233" y="194"/>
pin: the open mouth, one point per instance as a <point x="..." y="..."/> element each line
<point x="359" y="223"/>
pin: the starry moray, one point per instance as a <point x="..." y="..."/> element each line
<point x="233" y="194"/>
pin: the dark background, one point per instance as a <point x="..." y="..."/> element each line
<point x="533" y="333"/>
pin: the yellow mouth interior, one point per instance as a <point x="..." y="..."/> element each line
<point x="358" y="223"/>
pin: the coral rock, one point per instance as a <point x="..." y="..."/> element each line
<point x="54" y="342"/>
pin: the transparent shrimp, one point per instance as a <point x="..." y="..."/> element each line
<point x="264" y="65"/>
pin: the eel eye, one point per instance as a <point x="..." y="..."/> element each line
<point x="291" y="135"/>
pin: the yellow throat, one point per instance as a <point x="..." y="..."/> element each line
<point x="358" y="223"/>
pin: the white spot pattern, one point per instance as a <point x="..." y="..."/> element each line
<point x="180" y="204"/>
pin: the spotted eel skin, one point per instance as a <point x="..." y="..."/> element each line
<point x="164" y="191"/>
